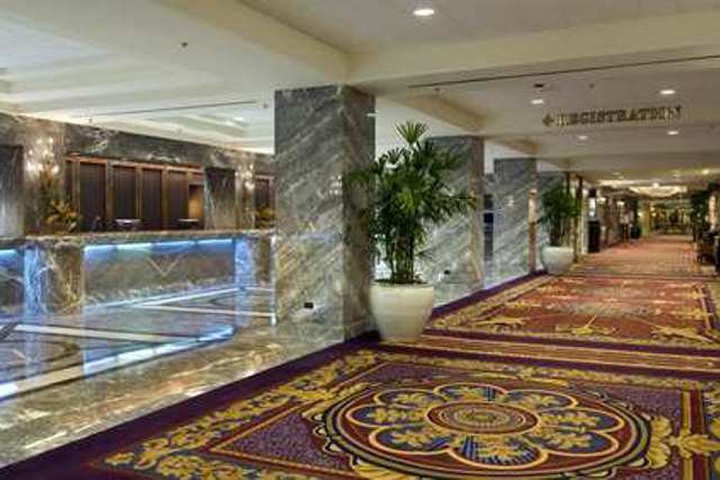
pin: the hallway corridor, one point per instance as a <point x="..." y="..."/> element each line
<point x="612" y="371"/>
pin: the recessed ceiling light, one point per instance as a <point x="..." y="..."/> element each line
<point x="239" y="119"/>
<point x="582" y="138"/>
<point x="706" y="171"/>
<point x="537" y="101"/>
<point x="424" y="12"/>
<point x="673" y="132"/>
<point x="656" y="185"/>
<point x="666" y="92"/>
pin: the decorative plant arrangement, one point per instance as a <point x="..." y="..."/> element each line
<point x="407" y="195"/>
<point x="560" y="209"/>
<point x="58" y="215"/>
<point x="699" y="211"/>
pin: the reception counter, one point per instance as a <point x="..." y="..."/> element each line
<point x="64" y="274"/>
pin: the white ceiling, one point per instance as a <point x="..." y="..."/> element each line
<point x="24" y="47"/>
<point x="69" y="64"/>
<point x="365" y="25"/>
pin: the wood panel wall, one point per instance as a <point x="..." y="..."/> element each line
<point x="103" y="190"/>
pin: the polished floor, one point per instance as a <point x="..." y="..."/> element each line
<point x="65" y="377"/>
<point x="608" y="372"/>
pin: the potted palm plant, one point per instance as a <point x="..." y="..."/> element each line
<point x="560" y="208"/>
<point x="407" y="194"/>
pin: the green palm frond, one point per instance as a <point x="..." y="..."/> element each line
<point x="408" y="194"/>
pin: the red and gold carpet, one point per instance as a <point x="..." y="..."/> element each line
<point x="583" y="376"/>
<point x="662" y="256"/>
<point x="367" y="411"/>
<point x="662" y="315"/>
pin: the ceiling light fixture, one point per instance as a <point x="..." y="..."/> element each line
<point x="537" y="101"/>
<point x="582" y="138"/>
<point x="706" y="171"/>
<point x="424" y="10"/>
<point x="656" y="185"/>
<point x="672" y="133"/>
<point x="667" y="92"/>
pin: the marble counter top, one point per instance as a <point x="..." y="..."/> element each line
<point x="9" y="243"/>
<point x="116" y="238"/>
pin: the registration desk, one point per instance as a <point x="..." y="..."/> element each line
<point x="64" y="274"/>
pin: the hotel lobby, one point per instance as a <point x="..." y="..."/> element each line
<point x="345" y="239"/>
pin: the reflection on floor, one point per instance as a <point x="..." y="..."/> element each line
<point x="223" y="335"/>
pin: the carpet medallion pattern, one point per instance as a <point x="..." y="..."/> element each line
<point x="379" y="413"/>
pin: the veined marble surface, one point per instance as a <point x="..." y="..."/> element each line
<point x="63" y="274"/>
<point x="453" y="257"/>
<point x="115" y="238"/>
<point x="12" y="207"/>
<point x="510" y="186"/>
<point x="322" y="252"/>
<point x="11" y="280"/>
<point x="239" y="342"/>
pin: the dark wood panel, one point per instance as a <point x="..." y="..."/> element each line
<point x="69" y="181"/>
<point x="177" y="196"/>
<point x="92" y="196"/>
<point x="124" y="192"/>
<point x="151" y="211"/>
<point x="263" y="194"/>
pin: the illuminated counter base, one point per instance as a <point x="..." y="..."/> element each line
<point x="64" y="274"/>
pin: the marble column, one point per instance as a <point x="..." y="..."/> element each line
<point x="221" y="209"/>
<point x="454" y="252"/>
<point x="54" y="276"/>
<point x="511" y="186"/>
<point x="322" y="251"/>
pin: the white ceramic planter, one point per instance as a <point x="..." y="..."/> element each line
<point x="401" y="311"/>
<point x="557" y="260"/>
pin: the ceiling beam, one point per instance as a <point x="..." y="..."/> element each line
<point x="443" y="110"/>
<point x="158" y="101"/>
<point x="647" y="39"/>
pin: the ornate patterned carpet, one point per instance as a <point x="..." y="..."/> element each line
<point x="666" y="320"/>
<point x="583" y="376"/>
<point x="656" y="256"/>
<point x="665" y="314"/>
<point x="368" y="411"/>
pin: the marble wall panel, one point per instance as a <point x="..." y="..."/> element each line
<point x="41" y="141"/>
<point x="453" y="257"/>
<point x="322" y="252"/>
<point x="11" y="280"/>
<point x="54" y="277"/>
<point x="138" y="270"/>
<point x="12" y="206"/>
<point x="114" y="144"/>
<point x="510" y="185"/>
<point x="221" y="209"/>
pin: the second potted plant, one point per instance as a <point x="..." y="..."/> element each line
<point x="560" y="208"/>
<point x="407" y="194"/>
